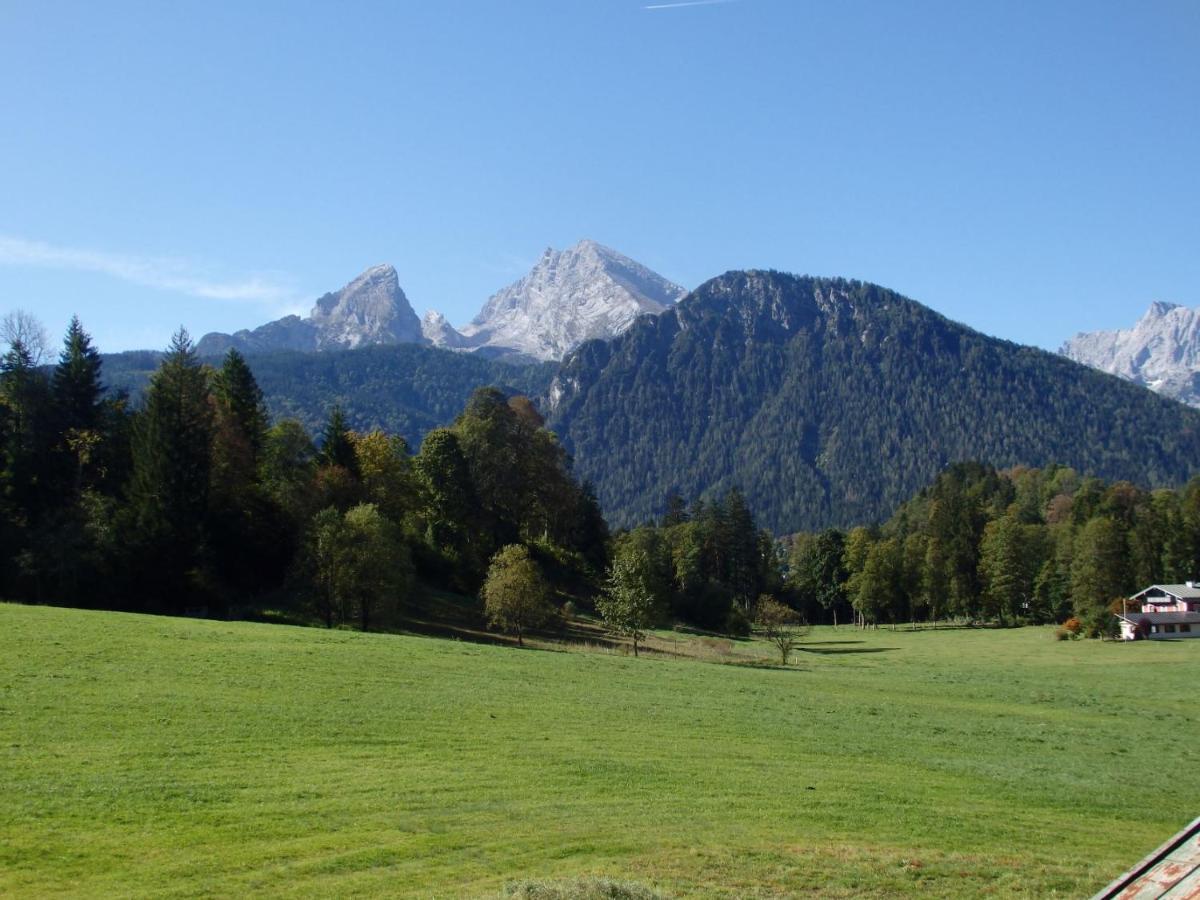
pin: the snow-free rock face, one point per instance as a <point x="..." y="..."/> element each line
<point x="441" y="333"/>
<point x="371" y="309"/>
<point x="1161" y="351"/>
<point x="570" y="296"/>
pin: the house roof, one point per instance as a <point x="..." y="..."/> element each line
<point x="1173" y="870"/>
<point x="1162" y="618"/>
<point x="1182" y="591"/>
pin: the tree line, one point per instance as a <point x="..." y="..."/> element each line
<point x="193" y="500"/>
<point x="1021" y="545"/>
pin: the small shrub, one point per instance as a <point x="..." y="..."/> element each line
<point x="1072" y="626"/>
<point x="579" y="889"/>
<point x="737" y="624"/>
<point x="1061" y="634"/>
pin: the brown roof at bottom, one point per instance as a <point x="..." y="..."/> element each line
<point x="1172" y="871"/>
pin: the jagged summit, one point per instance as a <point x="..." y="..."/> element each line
<point x="371" y="309"/>
<point x="570" y="296"/>
<point x="1161" y="351"/>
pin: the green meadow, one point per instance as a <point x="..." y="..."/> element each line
<point x="144" y="756"/>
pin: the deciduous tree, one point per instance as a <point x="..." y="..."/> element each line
<point x="516" y="596"/>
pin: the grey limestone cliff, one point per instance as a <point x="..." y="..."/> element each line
<point x="1161" y="351"/>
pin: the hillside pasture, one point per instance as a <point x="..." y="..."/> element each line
<point x="144" y="756"/>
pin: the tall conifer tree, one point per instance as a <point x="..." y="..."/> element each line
<point x="171" y="460"/>
<point x="76" y="384"/>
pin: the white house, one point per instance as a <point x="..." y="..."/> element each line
<point x="1162" y="611"/>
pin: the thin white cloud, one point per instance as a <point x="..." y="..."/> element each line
<point x="154" y="272"/>
<point x="684" y="3"/>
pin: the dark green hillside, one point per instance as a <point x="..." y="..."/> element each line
<point x="830" y="402"/>
<point x="404" y="389"/>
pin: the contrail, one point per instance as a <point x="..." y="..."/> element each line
<point x="687" y="3"/>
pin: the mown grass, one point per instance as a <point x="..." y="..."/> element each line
<point x="144" y="756"/>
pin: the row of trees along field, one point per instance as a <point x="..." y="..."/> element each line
<point x="1035" y="545"/>
<point x="195" y="501"/>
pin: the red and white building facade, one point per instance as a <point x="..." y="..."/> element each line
<point x="1162" y="611"/>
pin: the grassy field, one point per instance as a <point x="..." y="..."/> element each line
<point x="144" y="756"/>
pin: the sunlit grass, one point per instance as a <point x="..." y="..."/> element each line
<point x="145" y="756"/>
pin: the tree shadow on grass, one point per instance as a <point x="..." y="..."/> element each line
<point x="770" y="665"/>
<point x="844" y="650"/>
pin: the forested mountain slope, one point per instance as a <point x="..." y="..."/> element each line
<point x="829" y="402"/>
<point x="404" y="389"/>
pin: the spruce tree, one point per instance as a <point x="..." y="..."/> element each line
<point x="240" y="403"/>
<point x="172" y="445"/>
<point x="24" y="409"/>
<point x="240" y="430"/>
<point x="76" y="383"/>
<point x="337" y="447"/>
<point x="78" y="408"/>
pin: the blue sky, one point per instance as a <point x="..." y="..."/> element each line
<point x="1027" y="168"/>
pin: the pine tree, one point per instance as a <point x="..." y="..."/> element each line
<point x="76" y="383"/>
<point x="78" y="406"/>
<point x="241" y="410"/>
<point x="337" y="447"/>
<point x="171" y="462"/>
<point x="25" y="473"/>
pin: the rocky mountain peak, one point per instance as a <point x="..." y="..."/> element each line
<point x="1160" y="308"/>
<point x="570" y="296"/>
<point x="440" y="332"/>
<point x="1161" y="351"/>
<point x="371" y="309"/>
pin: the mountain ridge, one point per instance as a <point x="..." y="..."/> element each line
<point x="829" y="401"/>
<point x="586" y="291"/>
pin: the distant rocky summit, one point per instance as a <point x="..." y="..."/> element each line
<point x="1161" y="351"/>
<point x="570" y="296"/>
<point x="371" y="309"/>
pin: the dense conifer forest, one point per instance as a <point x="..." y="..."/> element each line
<point x="404" y="389"/>
<point x="830" y="402"/>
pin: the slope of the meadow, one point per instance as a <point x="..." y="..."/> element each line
<point x="144" y="756"/>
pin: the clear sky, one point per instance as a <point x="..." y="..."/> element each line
<point x="1028" y="168"/>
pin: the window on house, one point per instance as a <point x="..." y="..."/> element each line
<point x="1170" y="629"/>
<point x="1185" y="627"/>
